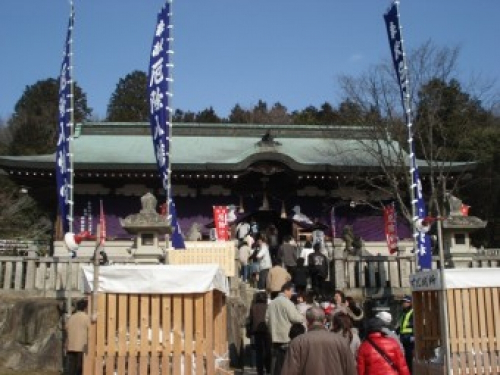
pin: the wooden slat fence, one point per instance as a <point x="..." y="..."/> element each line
<point x="202" y="252"/>
<point x="474" y="330"/>
<point x="152" y="334"/>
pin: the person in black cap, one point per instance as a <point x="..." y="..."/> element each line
<point x="405" y="330"/>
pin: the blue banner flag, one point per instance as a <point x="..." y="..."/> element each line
<point x="159" y="94"/>
<point x="159" y="82"/>
<point x="63" y="170"/>
<point x="396" y="45"/>
<point x="177" y="239"/>
<point x="422" y="240"/>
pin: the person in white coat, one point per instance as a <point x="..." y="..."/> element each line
<point x="264" y="258"/>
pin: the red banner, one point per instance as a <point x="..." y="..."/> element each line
<point x="220" y="220"/>
<point x="391" y="229"/>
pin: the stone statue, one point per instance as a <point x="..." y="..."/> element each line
<point x="353" y="243"/>
<point x="194" y="233"/>
<point x="454" y="205"/>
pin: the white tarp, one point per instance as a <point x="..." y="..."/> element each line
<point x="472" y="278"/>
<point x="157" y="279"/>
<point x="458" y="278"/>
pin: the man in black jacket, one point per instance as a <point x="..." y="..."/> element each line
<point x="287" y="254"/>
<point x="318" y="269"/>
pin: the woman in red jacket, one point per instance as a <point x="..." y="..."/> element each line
<point x="380" y="354"/>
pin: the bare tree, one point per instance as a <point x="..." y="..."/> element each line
<point x="436" y="95"/>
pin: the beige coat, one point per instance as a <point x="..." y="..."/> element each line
<point x="77" y="332"/>
<point x="280" y="315"/>
<point x="276" y="277"/>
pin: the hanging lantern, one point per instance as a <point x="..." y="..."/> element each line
<point x="265" y="202"/>
<point x="283" y="210"/>
<point x="241" y="208"/>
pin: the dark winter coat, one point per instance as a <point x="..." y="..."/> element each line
<point x="319" y="352"/>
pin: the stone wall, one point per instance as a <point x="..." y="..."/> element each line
<point x="30" y="334"/>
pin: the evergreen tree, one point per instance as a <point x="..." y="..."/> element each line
<point x="308" y="116"/>
<point x="34" y="123"/>
<point x="208" y="116"/>
<point x="239" y="115"/>
<point x="129" y="101"/>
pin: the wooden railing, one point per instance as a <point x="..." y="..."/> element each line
<point x="365" y="276"/>
<point x="44" y="276"/>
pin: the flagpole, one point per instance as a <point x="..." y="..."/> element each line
<point x="418" y="208"/>
<point x="170" y="95"/>
<point x="409" y="125"/>
<point x="69" y="280"/>
<point x="409" y="119"/>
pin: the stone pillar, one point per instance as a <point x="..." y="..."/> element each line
<point x="339" y="264"/>
<point x="31" y="268"/>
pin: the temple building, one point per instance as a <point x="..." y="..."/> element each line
<point x="281" y="170"/>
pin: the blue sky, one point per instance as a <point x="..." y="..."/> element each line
<point x="234" y="51"/>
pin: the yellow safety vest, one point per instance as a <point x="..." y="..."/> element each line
<point x="405" y="328"/>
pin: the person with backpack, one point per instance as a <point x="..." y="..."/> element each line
<point x="380" y="354"/>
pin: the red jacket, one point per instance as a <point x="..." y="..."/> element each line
<point x="370" y="362"/>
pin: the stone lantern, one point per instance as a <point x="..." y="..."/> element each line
<point x="456" y="233"/>
<point x="147" y="225"/>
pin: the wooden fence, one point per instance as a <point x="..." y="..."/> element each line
<point x="157" y="334"/>
<point x="474" y="331"/>
<point x="373" y="276"/>
<point x="203" y="252"/>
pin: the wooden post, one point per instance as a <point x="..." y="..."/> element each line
<point x="177" y="329"/>
<point x="209" y="332"/>
<point x="166" y="323"/>
<point x="199" y="333"/>
<point x="111" y="333"/>
<point x="122" y="333"/>
<point x="154" y="364"/>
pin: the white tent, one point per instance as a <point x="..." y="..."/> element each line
<point x="157" y="279"/>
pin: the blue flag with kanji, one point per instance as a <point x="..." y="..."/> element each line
<point x="63" y="172"/>
<point x="159" y="94"/>
<point x="422" y="240"/>
<point x="177" y="239"/>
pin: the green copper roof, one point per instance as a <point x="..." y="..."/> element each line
<point x="215" y="146"/>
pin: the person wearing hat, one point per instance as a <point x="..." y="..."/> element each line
<point x="379" y="354"/>
<point x="386" y="319"/>
<point x="405" y="330"/>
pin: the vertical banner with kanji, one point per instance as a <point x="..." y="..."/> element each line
<point x="177" y="239"/>
<point x="63" y="169"/>
<point x="422" y="240"/>
<point x="391" y="229"/>
<point x="159" y="95"/>
<point x="221" y="225"/>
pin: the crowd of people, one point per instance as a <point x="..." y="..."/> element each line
<point x="297" y="327"/>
